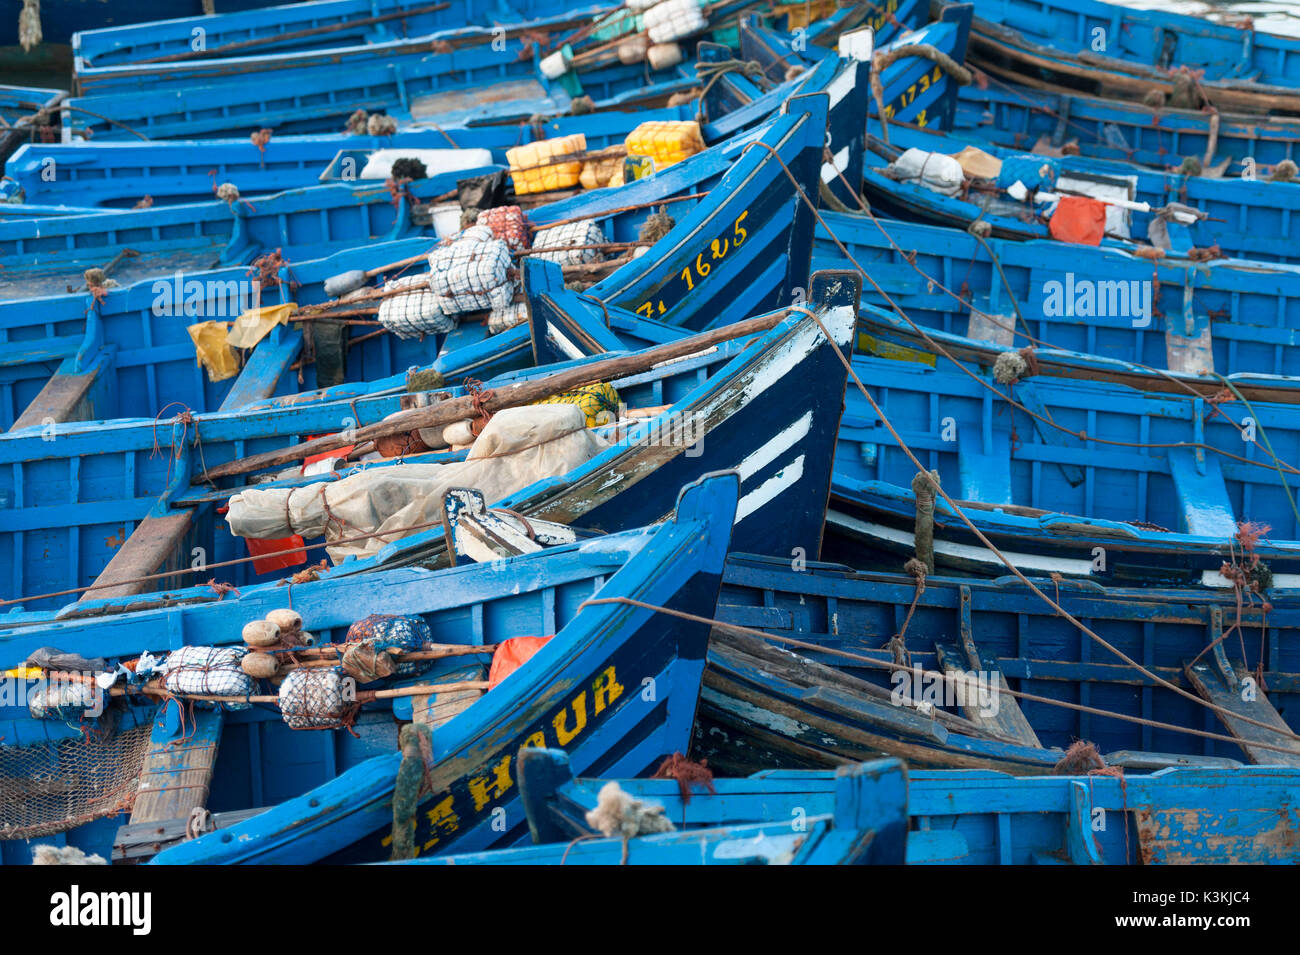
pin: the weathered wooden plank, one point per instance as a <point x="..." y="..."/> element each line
<point x="985" y="472"/>
<point x="1228" y="688"/>
<point x="138" y="841"/>
<point x="64" y="398"/>
<point x="153" y="542"/>
<point x="437" y="709"/>
<point x="177" y="771"/>
<point x="268" y="363"/>
<point x="1001" y="714"/>
<point x="1202" y="493"/>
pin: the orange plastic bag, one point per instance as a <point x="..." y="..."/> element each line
<point x="1078" y="219"/>
<point x="510" y="655"/>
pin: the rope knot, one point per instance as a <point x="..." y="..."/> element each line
<point x="688" y="773"/>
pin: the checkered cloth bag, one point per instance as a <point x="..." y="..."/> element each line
<point x="498" y="298"/>
<point x="673" y="19"/>
<point x="208" y="671"/>
<point x="416" y="314"/>
<point x="316" y="699"/>
<point x="563" y="237"/>
<point x="507" y="224"/>
<point x="467" y="270"/>
<point x="502" y="319"/>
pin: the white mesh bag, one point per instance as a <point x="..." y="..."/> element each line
<point x="673" y="19"/>
<point x="316" y="699"/>
<point x="416" y="314"/>
<point x="501" y="319"/>
<point x="464" y="271"/>
<point x="562" y="238"/>
<point x="208" y="671"/>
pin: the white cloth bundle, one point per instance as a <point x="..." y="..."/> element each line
<point x="935" y="171"/>
<point x="673" y="19"/>
<point x="517" y="447"/>
<point x="563" y="237"/>
<point x="379" y="165"/>
<point x="467" y="270"/>
<point x="416" y="314"/>
<point x="208" y="671"/>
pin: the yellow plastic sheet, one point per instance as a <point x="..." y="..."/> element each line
<point x="212" y="348"/>
<point x="256" y="323"/>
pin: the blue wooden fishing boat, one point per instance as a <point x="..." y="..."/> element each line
<point x="120" y="174"/>
<point x="1193" y="319"/>
<point x="188" y="49"/>
<point x="85" y="340"/>
<point x="1219" y="143"/>
<point x="61" y="19"/>
<point x="1070" y="468"/>
<point x="720" y="388"/>
<point x="832" y="665"/>
<point x="971" y="817"/>
<point x="129" y="336"/>
<point x="46" y="256"/>
<point x="332" y="795"/>
<point x="1194" y="217"/>
<point x="1009" y="114"/>
<point x="1054" y="468"/>
<point x="1136" y="54"/>
<point x="405" y="79"/>
<point x="675" y="282"/>
<point x="472" y="83"/>
<point x="860" y="819"/>
<point x="19" y="108"/>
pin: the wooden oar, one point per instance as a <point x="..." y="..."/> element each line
<point x="510" y="396"/>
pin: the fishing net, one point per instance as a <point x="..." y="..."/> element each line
<point x="317" y="699"/>
<point x="507" y="223"/>
<point x="52" y="787"/>
<point x="383" y="632"/>
<point x="598" y="402"/>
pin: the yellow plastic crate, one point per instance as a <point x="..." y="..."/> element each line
<point x="538" y="168"/>
<point x="599" y="173"/>
<point x="665" y="141"/>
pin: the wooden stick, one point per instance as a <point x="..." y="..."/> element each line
<point x="363" y="696"/>
<point x="519" y="393"/>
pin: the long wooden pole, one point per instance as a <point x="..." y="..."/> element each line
<point x="519" y="393"/>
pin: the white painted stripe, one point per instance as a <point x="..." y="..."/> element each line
<point x="787" y="477"/>
<point x="844" y="82"/>
<point x="1212" y="578"/>
<point x="695" y="354"/>
<point x="782" y="442"/>
<point x="1036" y="562"/>
<point x="565" y="344"/>
<point x="832" y="170"/>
